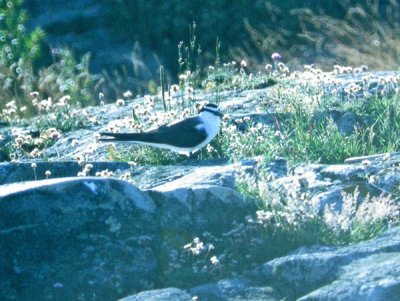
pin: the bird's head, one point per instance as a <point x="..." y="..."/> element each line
<point x="212" y="109"/>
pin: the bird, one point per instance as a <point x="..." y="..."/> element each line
<point x="185" y="136"/>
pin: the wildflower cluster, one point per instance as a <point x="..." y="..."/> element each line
<point x="195" y="258"/>
<point x="231" y="76"/>
<point x="25" y="145"/>
<point x="86" y="169"/>
<point x="328" y="84"/>
<point x="360" y="217"/>
<point x="290" y="210"/>
<point x="54" y="118"/>
<point x="60" y="114"/>
<point x="105" y="173"/>
<point x="197" y="247"/>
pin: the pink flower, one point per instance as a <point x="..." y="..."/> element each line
<point x="276" y="56"/>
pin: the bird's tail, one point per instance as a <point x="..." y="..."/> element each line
<point x="127" y="137"/>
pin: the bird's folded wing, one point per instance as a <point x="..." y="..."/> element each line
<point x="186" y="133"/>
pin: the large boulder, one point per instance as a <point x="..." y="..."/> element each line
<point x="76" y="239"/>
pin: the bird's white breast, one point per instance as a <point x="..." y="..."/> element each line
<point x="211" y="124"/>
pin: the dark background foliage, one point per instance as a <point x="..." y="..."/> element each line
<point x="129" y="40"/>
<point x="242" y="26"/>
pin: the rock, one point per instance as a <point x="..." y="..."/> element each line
<point x="86" y="212"/>
<point x="23" y="171"/>
<point x="207" y="172"/>
<point x="363" y="271"/>
<point x="374" y="278"/>
<point x="332" y="198"/>
<point x="278" y="168"/>
<point x="198" y="209"/>
<point x="201" y="175"/>
<point x="369" y="175"/>
<point x="346" y="172"/>
<point x="75" y="238"/>
<point x="387" y="180"/>
<point x="4" y="157"/>
<point x="195" y="205"/>
<point x="345" y="121"/>
<point x="166" y="294"/>
<point x="393" y="157"/>
<point x="202" y="200"/>
<point x="234" y="289"/>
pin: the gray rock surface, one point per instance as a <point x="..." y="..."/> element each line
<point x="376" y="277"/>
<point x="105" y="239"/>
<point x="371" y="175"/>
<point x="23" y="171"/>
<point x="160" y="295"/>
<point x="76" y="239"/>
<point x="106" y="231"/>
<point x="363" y="271"/>
<point x="238" y="289"/>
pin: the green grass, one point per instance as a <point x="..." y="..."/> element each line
<point x="144" y="155"/>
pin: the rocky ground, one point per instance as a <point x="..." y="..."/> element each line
<point x="104" y="238"/>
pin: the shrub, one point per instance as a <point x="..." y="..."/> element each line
<point x="20" y="75"/>
<point x="20" y="50"/>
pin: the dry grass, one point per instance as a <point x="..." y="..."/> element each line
<point x="367" y="35"/>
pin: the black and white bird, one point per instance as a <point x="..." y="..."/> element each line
<point x="185" y="136"/>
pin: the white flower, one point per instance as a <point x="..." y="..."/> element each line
<point x="127" y="94"/>
<point x="120" y="102"/>
<point x="214" y="260"/>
